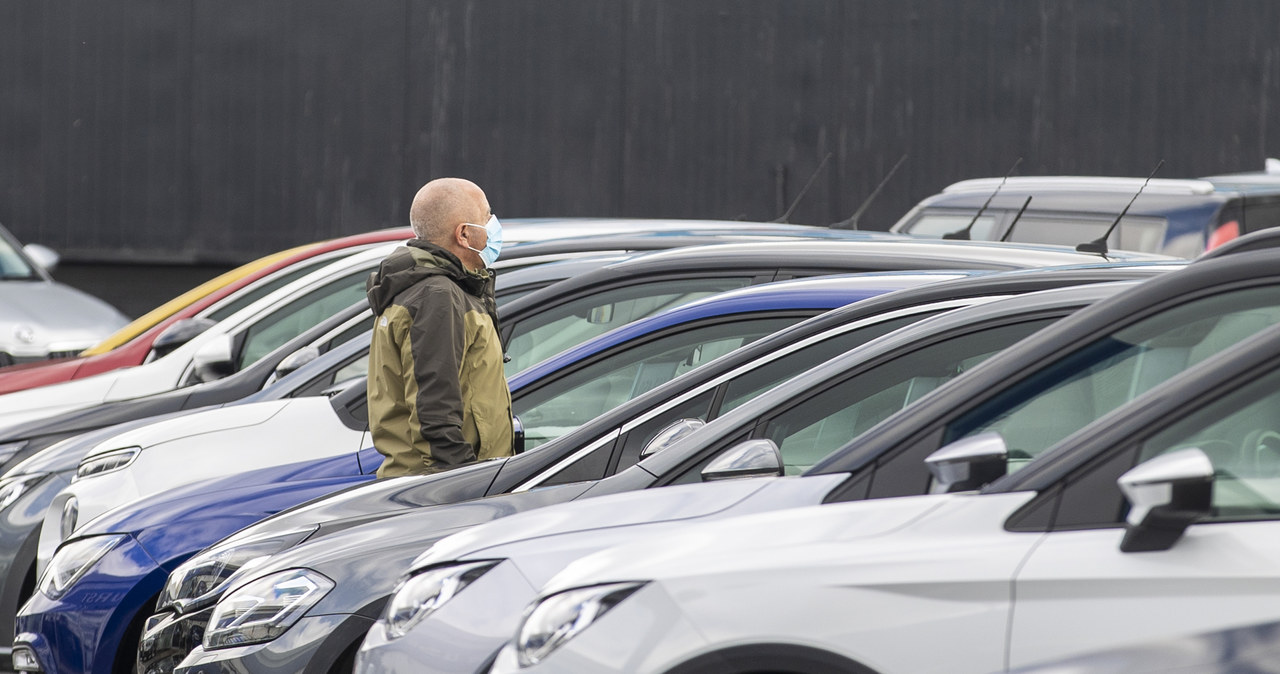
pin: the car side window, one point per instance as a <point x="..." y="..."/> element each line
<point x="697" y="407"/>
<point x="300" y="315"/>
<point x="568" y="401"/>
<point x="261" y="289"/>
<point x="809" y="431"/>
<point x="557" y="328"/>
<point x="1086" y="384"/>
<point x="1240" y="433"/>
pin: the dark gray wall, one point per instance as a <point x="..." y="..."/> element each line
<point x="203" y="130"/>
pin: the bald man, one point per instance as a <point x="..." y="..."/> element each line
<point x="438" y="398"/>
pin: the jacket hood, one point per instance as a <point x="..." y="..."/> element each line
<point x="417" y="260"/>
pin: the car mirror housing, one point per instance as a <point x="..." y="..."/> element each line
<point x="295" y="360"/>
<point x="214" y="359"/>
<point x="753" y="458"/>
<point x="968" y="463"/>
<point x="517" y="435"/>
<point x="669" y="435"/>
<point x="1166" y="494"/>
<point x="44" y="256"/>
<point x="177" y="334"/>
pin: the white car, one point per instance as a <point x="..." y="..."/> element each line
<point x="225" y="347"/>
<point x="1162" y="518"/>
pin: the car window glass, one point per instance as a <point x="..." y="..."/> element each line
<point x="1082" y="386"/>
<point x="264" y="287"/>
<point x="1261" y="216"/>
<point x="828" y="420"/>
<point x="557" y="328"/>
<point x="1139" y="233"/>
<point x="1240" y="433"/>
<point x="12" y="266"/>
<point x="752" y="383"/>
<point x="937" y="224"/>
<point x="579" y="396"/>
<point x="300" y="315"/>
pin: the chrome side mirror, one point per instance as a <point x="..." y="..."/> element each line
<point x="753" y="458"/>
<point x="669" y="435"/>
<point x="44" y="256"/>
<point x="295" y="360"/>
<point x="1166" y="494"/>
<point x="179" y="333"/>
<point x="968" y="463"/>
<point x="214" y="360"/>
<point x="517" y="435"/>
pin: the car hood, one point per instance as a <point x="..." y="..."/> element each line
<point x="773" y="540"/>
<point x="66" y="455"/>
<point x="52" y="317"/>
<point x="667" y="504"/>
<point x="201" y="422"/>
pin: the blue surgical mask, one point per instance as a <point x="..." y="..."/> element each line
<point x="493" y="248"/>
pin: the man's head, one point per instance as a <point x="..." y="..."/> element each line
<point x="441" y="211"/>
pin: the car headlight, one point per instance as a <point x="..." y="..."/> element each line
<point x="263" y="609"/>
<point x="12" y="488"/>
<point x="558" y="618"/>
<point x="419" y="596"/>
<point x="72" y="560"/>
<point x="9" y="449"/>
<point x="202" y="579"/>
<point x="106" y="463"/>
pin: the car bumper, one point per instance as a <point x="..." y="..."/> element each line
<point x="82" y="630"/>
<point x="462" y="636"/>
<point x="19" y="532"/>
<point x="311" y="646"/>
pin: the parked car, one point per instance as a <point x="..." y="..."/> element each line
<point x="1157" y="520"/>
<point x="544" y="323"/>
<point x="39" y="317"/>
<point x="183" y="316"/>
<point x="683" y="335"/>
<point x="1182" y="218"/>
<point x="1118" y="348"/>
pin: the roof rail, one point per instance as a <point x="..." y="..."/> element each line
<point x="1084" y="184"/>
<point x="1263" y="239"/>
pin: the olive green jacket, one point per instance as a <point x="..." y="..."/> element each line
<point x="438" y="397"/>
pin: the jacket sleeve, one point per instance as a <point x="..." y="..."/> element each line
<point x="437" y="338"/>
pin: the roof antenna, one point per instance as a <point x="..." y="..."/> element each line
<point x="1007" y="232"/>
<point x="963" y="234"/>
<point x="852" y="221"/>
<point x="787" y="214"/>
<point x="1099" y="245"/>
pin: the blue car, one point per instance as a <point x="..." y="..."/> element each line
<point x="101" y="585"/>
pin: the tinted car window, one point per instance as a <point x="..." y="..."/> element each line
<point x="937" y="224"/>
<point x="1101" y="376"/>
<point x="1144" y="234"/>
<point x="1240" y="434"/>
<point x="557" y="328"/>
<point x="828" y="420"/>
<point x="300" y="315"/>
<point x="573" y="399"/>
<point x="265" y="287"/>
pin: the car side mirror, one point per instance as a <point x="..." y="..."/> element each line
<point x="517" y="435"/>
<point x="669" y="435"/>
<point x="179" y="333"/>
<point x="44" y="256"/>
<point x="295" y="360"/>
<point x="753" y="458"/>
<point x="968" y="463"/>
<point x="1166" y="494"/>
<point x="214" y="360"/>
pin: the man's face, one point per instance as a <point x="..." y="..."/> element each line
<point x="475" y="238"/>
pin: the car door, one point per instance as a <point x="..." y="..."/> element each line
<point x="1078" y="591"/>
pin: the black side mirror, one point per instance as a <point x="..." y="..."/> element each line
<point x="1166" y="494"/>
<point x="968" y="463"/>
<point x="517" y="436"/>
<point x="179" y="333"/>
<point x="753" y="458"/>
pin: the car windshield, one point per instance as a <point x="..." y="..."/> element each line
<point x="13" y="267"/>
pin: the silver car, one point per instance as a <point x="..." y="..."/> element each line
<point x="41" y="318"/>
